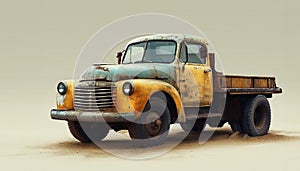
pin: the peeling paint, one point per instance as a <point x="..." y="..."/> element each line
<point x="189" y="85"/>
<point x="60" y="99"/>
<point x="143" y="89"/>
<point x="176" y="37"/>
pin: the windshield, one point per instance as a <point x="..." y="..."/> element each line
<point x="156" y="51"/>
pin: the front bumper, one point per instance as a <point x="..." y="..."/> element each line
<point x="72" y="115"/>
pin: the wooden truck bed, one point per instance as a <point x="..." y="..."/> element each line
<point x="251" y="85"/>
<point x="238" y="85"/>
<point x="235" y="84"/>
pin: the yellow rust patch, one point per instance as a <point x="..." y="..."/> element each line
<point x="196" y="85"/>
<point x="143" y="89"/>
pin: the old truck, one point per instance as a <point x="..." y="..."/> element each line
<point x="160" y="80"/>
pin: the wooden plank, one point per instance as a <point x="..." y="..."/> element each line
<point x="248" y="76"/>
<point x="260" y="83"/>
<point x="242" y="83"/>
<point x="238" y="82"/>
<point x="228" y="82"/>
<point x="254" y="90"/>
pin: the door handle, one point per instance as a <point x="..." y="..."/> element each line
<point x="207" y="70"/>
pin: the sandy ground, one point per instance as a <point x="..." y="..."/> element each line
<point x="39" y="143"/>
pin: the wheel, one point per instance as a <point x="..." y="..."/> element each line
<point x="156" y="119"/>
<point x="235" y="126"/>
<point x="256" y="118"/>
<point x="193" y="126"/>
<point x="88" y="132"/>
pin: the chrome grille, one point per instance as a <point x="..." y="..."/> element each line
<point x="93" y="98"/>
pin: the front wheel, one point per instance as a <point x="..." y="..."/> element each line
<point x="256" y="117"/>
<point x="88" y="132"/>
<point x="154" y="124"/>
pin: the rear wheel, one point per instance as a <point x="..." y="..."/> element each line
<point x="235" y="126"/>
<point x="256" y="118"/>
<point x="88" y="132"/>
<point x="154" y="124"/>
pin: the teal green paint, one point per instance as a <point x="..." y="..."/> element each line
<point x="160" y="71"/>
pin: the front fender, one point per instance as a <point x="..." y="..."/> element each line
<point x="143" y="89"/>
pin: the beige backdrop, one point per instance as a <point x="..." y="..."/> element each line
<point x="40" y="42"/>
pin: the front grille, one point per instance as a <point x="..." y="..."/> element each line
<point x="94" y="98"/>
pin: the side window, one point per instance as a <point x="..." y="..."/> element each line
<point x="196" y="53"/>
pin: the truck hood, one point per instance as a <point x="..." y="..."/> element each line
<point x="165" y="72"/>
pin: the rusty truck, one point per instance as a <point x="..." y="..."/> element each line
<point x="160" y="80"/>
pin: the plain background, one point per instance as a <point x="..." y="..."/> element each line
<point x="41" y="40"/>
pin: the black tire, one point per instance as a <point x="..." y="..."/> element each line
<point x="193" y="126"/>
<point x="256" y="118"/>
<point x="152" y="132"/>
<point x="235" y="126"/>
<point x="88" y="132"/>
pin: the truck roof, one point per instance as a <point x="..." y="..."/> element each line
<point x="169" y="36"/>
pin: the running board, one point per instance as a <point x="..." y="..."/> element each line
<point x="203" y="115"/>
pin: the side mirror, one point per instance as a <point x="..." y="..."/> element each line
<point x="119" y="56"/>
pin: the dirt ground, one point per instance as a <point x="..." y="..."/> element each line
<point x="39" y="143"/>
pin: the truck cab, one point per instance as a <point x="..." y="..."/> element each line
<point x="161" y="80"/>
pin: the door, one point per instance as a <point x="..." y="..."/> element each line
<point x="195" y="80"/>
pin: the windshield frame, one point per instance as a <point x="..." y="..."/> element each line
<point x="147" y="41"/>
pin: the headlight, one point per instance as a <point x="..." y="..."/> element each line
<point x="62" y="88"/>
<point x="128" y="88"/>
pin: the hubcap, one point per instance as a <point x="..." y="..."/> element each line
<point x="154" y="124"/>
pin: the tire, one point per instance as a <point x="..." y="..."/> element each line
<point x="193" y="126"/>
<point x="156" y="127"/>
<point x="235" y="126"/>
<point x="256" y="118"/>
<point x="88" y="132"/>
